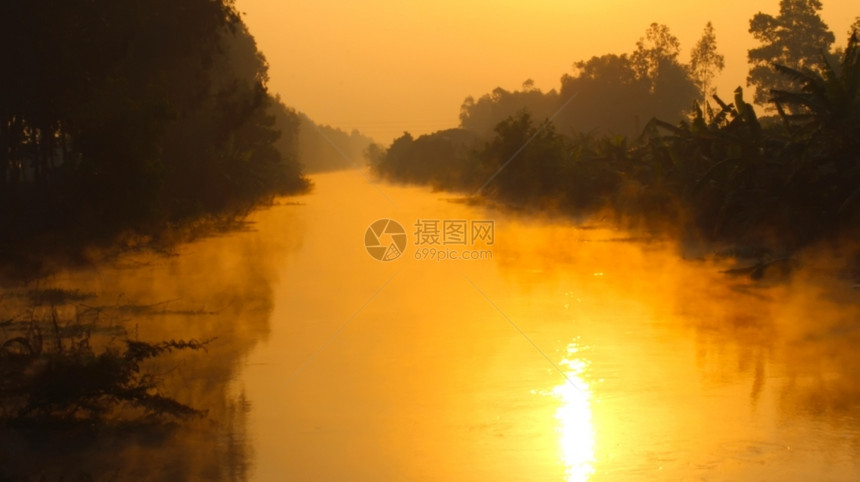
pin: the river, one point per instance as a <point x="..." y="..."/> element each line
<point x="560" y="352"/>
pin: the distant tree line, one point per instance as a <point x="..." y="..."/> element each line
<point x="609" y="94"/>
<point x="318" y="148"/>
<point x="117" y="114"/>
<point x="325" y="148"/>
<point x="718" y="174"/>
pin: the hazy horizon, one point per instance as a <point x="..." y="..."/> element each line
<point x="212" y="270"/>
<point x="333" y="61"/>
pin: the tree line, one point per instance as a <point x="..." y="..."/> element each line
<point x="648" y="139"/>
<point x="134" y="114"/>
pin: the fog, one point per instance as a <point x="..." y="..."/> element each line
<point x="383" y="67"/>
<point x="576" y="352"/>
<point x="429" y="241"/>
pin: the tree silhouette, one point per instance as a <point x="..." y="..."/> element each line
<point x="655" y="50"/>
<point x="618" y="94"/>
<point x="610" y="96"/>
<point x="705" y="62"/>
<point x="716" y="175"/>
<point x="481" y="116"/>
<point x="824" y="132"/>
<point x="131" y="114"/>
<point x="796" y="38"/>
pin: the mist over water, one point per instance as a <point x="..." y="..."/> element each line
<point x="575" y="353"/>
<point x="216" y="289"/>
<point x="634" y="255"/>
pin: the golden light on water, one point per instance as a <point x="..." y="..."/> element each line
<point x="576" y="433"/>
<point x="673" y="372"/>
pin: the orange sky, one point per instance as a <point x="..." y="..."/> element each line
<point x="385" y="66"/>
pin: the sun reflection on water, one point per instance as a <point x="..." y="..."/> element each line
<point x="576" y="434"/>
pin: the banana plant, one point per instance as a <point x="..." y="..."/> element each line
<point x="823" y="121"/>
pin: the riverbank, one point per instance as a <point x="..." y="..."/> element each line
<point x="717" y="177"/>
<point x="82" y="330"/>
<point x="755" y="259"/>
<point x="169" y="129"/>
<point x="25" y="258"/>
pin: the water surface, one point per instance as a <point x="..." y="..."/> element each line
<point x="575" y="353"/>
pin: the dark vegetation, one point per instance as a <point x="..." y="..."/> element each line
<point x="85" y="395"/>
<point x="80" y="370"/>
<point x="120" y="122"/>
<point x="646" y="138"/>
<point x="132" y="115"/>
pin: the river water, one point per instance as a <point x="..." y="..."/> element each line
<point x="563" y="352"/>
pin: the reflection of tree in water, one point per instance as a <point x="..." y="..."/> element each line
<point x="824" y="364"/>
<point x="735" y="335"/>
<point x="216" y="288"/>
<point x="207" y="449"/>
<point x="796" y="336"/>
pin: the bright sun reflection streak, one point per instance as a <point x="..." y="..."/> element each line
<point x="574" y="416"/>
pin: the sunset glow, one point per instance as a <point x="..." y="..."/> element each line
<point x="433" y="240"/>
<point x="385" y="67"/>
<point x="575" y="419"/>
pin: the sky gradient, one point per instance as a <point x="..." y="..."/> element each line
<point x="384" y="66"/>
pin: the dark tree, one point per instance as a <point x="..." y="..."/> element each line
<point x="655" y="50"/>
<point x="796" y="38"/>
<point x="130" y="114"/>
<point x="705" y="62"/>
<point x="481" y="116"/>
<point x="619" y="94"/>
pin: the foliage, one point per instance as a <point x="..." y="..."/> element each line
<point x="823" y="121"/>
<point x="119" y="115"/>
<point x="443" y="159"/>
<point x="796" y="38"/>
<point x="720" y="175"/>
<point x="481" y="116"/>
<point x="610" y="94"/>
<point x="653" y="51"/>
<point x="62" y="378"/>
<point x="705" y="62"/>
